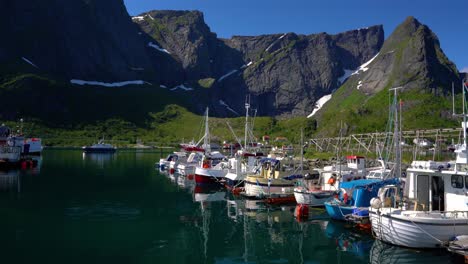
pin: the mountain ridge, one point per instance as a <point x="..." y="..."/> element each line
<point x="179" y="60"/>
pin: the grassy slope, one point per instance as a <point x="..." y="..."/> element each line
<point x="68" y="115"/>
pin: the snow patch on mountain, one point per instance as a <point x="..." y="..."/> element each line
<point x="116" y="84"/>
<point x="319" y="104"/>
<point x="182" y="87"/>
<point x="364" y="67"/>
<point x="30" y="62"/>
<point x="226" y="75"/>
<point x="151" y="44"/>
<point x="221" y="102"/>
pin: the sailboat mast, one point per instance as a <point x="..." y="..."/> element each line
<point x="302" y="151"/>
<point x="464" y="121"/>
<point x="206" y="139"/>
<point x="247" y="106"/>
<point x="396" y="132"/>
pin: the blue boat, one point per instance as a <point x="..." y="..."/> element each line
<point x="353" y="195"/>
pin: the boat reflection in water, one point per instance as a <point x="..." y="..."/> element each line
<point x="186" y="182"/>
<point x="347" y="240"/>
<point x="207" y="197"/>
<point x="382" y="253"/>
<point x="10" y="181"/>
<point x="99" y="159"/>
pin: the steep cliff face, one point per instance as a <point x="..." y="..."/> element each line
<point x="185" y="36"/>
<point x="411" y="57"/>
<point x="82" y="39"/>
<point x="289" y="72"/>
<point x="283" y="73"/>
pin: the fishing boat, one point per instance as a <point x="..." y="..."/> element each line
<point x="164" y="162"/>
<point x="269" y="182"/>
<point x="329" y="180"/>
<point x="355" y="195"/>
<point x="433" y="207"/>
<point x="181" y="158"/>
<point x="210" y="170"/>
<point x="99" y="147"/>
<point x="246" y="160"/>
<point x="188" y="167"/>
<point x="32" y="146"/>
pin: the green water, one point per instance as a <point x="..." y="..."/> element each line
<point x="118" y="208"/>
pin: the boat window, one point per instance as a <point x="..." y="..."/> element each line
<point x="457" y="181"/>
<point x="466" y="182"/>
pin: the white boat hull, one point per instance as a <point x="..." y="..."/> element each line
<point x="312" y="198"/>
<point x="416" y="231"/>
<point x="255" y="190"/>
<point x="10" y="154"/>
<point x="185" y="169"/>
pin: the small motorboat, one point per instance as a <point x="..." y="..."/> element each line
<point x="100" y="147"/>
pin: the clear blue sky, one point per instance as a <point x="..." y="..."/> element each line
<point x="447" y="18"/>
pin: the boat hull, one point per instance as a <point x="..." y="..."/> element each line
<point x="208" y="175"/>
<point x="185" y="169"/>
<point x="338" y="211"/>
<point x="402" y="230"/>
<point x="259" y="187"/>
<point x="313" y="198"/>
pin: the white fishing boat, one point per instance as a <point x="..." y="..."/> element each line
<point x="246" y="160"/>
<point x="211" y="169"/>
<point x="433" y="207"/>
<point x="181" y="158"/>
<point x="269" y="182"/>
<point x="11" y="146"/>
<point x="188" y="167"/>
<point x="329" y="180"/>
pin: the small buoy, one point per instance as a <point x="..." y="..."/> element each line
<point x="302" y="211"/>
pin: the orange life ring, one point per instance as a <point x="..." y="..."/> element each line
<point x="331" y="181"/>
<point x="206" y="164"/>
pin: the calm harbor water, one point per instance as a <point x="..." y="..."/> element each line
<point x="105" y="208"/>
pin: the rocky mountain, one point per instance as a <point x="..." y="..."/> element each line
<point x="182" y="61"/>
<point x="411" y="57"/>
<point x="80" y="39"/>
<point x="283" y="73"/>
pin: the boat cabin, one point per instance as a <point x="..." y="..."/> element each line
<point x="439" y="186"/>
<point x="356" y="162"/>
<point x="270" y="168"/>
